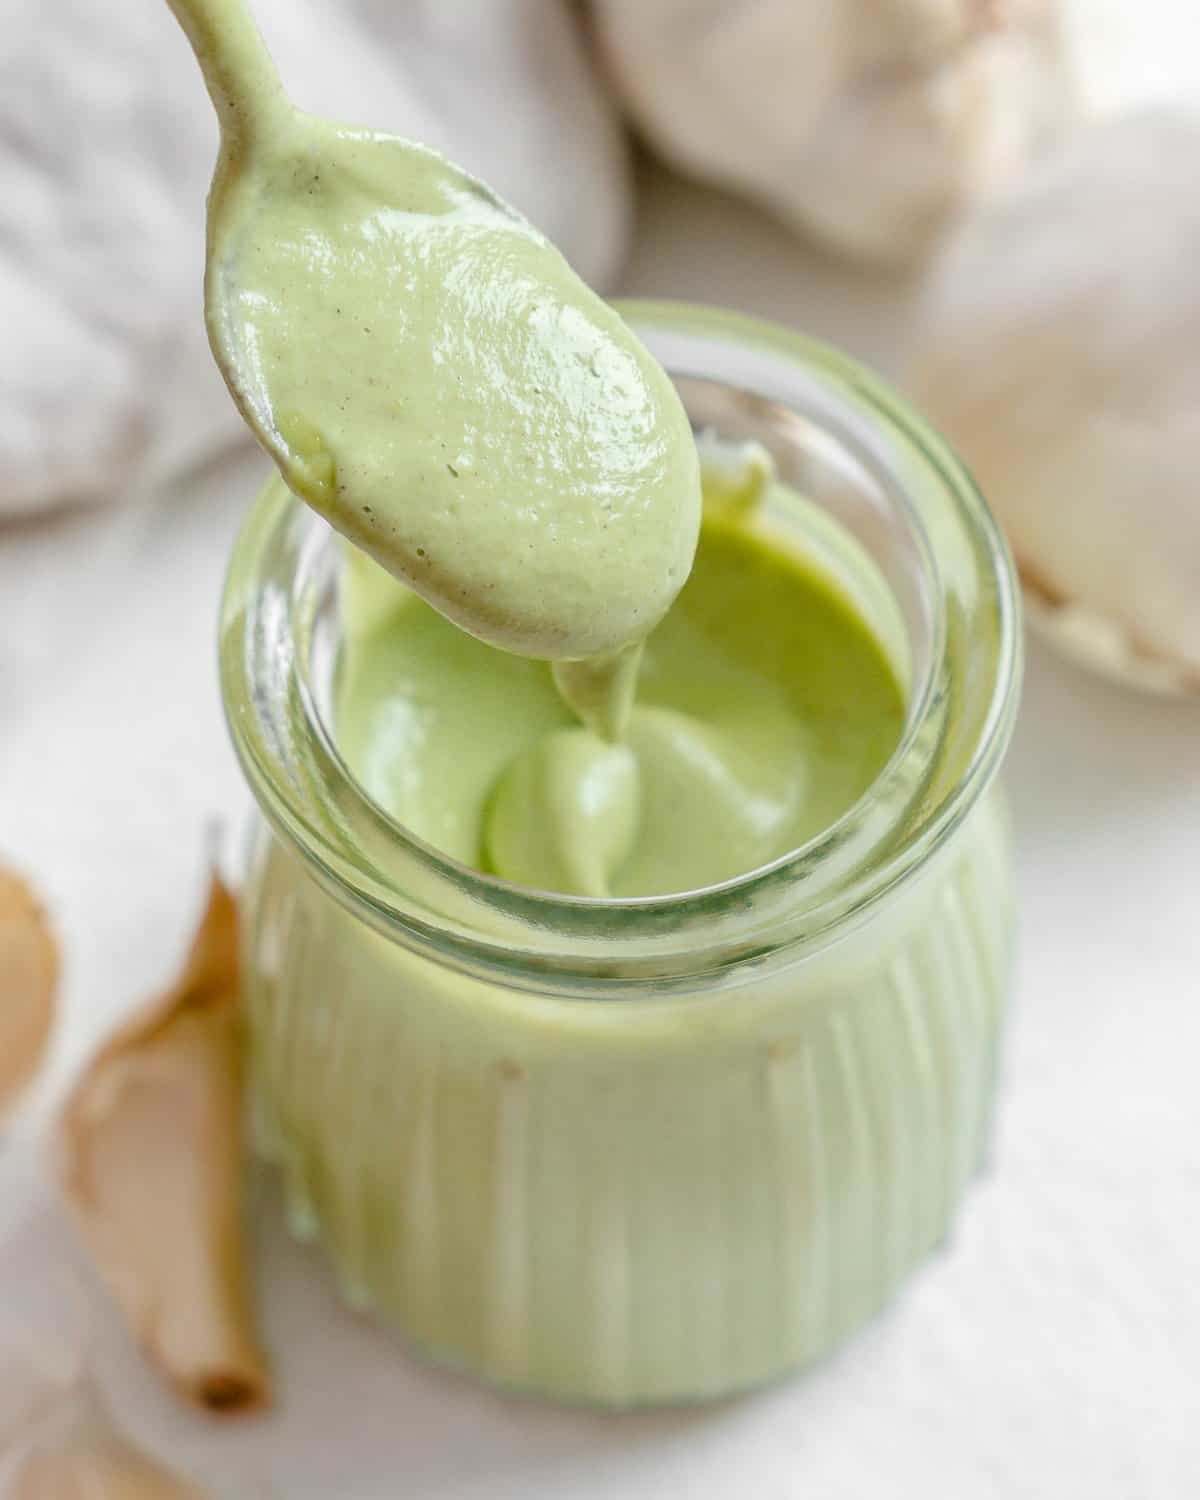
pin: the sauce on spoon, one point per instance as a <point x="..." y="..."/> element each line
<point x="430" y="375"/>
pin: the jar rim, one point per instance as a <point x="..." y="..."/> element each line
<point x="807" y="897"/>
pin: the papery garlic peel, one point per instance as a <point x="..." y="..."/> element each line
<point x="1059" y="352"/>
<point x="151" y="1158"/>
<point x="28" y="982"/>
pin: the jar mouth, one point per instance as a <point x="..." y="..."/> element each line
<point x="938" y="546"/>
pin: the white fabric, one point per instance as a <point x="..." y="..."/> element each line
<point x="1051" y="1354"/>
<point x="107" y="143"/>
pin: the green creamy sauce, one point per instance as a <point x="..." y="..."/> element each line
<point x="431" y="376"/>
<point x="765" y="706"/>
<point x="450" y="395"/>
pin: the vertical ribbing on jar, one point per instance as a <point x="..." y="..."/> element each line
<point x="695" y="1223"/>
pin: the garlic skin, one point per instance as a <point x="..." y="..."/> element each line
<point x="152" y="1167"/>
<point x="1060" y="354"/>
<point x="866" y="123"/>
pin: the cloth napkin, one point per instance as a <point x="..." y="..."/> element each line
<point x="107" y="141"/>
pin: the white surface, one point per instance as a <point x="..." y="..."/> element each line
<point x="1053" y="1353"/>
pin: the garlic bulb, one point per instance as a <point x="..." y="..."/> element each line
<point x="864" y="122"/>
<point x="1060" y="354"/>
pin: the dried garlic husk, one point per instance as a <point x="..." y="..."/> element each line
<point x="28" y="981"/>
<point x="1060" y="354"/>
<point x="152" y="1166"/>
<point x="87" y="1458"/>
<point x="864" y="122"/>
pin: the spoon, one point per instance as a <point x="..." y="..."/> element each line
<point x="429" y="374"/>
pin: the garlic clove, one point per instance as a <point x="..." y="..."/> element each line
<point x="28" y="982"/>
<point x="1059" y="352"/>
<point x="1103" y="644"/>
<point x="864" y="123"/>
<point x="152" y="1167"/>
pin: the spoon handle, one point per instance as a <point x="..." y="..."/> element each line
<point x="238" y="70"/>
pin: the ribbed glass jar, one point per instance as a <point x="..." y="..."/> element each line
<point x="627" y="1151"/>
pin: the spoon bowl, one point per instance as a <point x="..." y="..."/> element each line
<point x="430" y="375"/>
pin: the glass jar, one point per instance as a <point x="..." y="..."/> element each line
<point x="642" y="1150"/>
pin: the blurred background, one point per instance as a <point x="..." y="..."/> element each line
<point x="995" y="203"/>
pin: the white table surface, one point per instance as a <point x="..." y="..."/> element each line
<point x="1053" y="1352"/>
